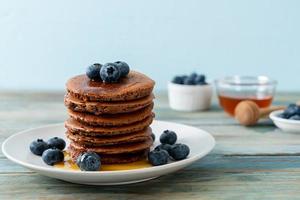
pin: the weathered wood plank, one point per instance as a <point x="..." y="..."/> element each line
<point x="214" y="177"/>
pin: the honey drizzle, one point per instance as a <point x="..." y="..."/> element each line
<point x="68" y="164"/>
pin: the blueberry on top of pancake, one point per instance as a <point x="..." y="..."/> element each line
<point x="134" y="86"/>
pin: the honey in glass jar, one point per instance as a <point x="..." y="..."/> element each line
<point x="234" y="89"/>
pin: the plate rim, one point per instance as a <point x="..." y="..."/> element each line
<point x="132" y="171"/>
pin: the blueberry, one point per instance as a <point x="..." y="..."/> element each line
<point x="93" y="71"/>
<point x="158" y="157"/>
<point x="295" y="117"/>
<point x="178" y="80"/>
<point x="165" y="147"/>
<point x="298" y="110"/>
<point x="123" y="67"/>
<point x="292" y="105"/>
<point x="53" y="156"/>
<point x="179" y="151"/>
<point x="193" y="75"/>
<point x="38" y="146"/>
<point x="57" y="143"/>
<point x="89" y="161"/>
<point x="153" y="136"/>
<point x="200" y="80"/>
<point x="291" y="110"/>
<point x="282" y="115"/>
<point x="168" y="137"/>
<point x="189" y="81"/>
<point x="110" y="73"/>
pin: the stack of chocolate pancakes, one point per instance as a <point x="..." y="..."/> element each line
<point x="111" y="119"/>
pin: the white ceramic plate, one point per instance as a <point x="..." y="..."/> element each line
<point x="286" y="125"/>
<point x="16" y="149"/>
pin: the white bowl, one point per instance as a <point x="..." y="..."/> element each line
<point x="189" y="97"/>
<point x="287" y="125"/>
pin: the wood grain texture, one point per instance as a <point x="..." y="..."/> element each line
<point x="259" y="162"/>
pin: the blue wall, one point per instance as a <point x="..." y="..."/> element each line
<point x="42" y="43"/>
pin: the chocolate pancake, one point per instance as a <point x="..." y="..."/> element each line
<point x="80" y="128"/>
<point x="98" y="108"/>
<point x="114" y="149"/>
<point x="134" y="86"/>
<point x="113" y="158"/>
<point x="114" y="140"/>
<point x="112" y="120"/>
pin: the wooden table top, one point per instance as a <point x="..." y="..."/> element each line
<point x="259" y="162"/>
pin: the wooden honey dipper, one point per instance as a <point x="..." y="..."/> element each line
<point x="248" y="113"/>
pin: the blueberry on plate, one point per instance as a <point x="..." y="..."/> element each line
<point x="123" y="67"/>
<point x="158" y="157"/>
<point x="89" y="161"/>
<point x="38" y="146"/>
<point x="110" y="73"/>
<point x="57" y="143"/>
<point x="178" y="80"/>
<point x="179" y="151"/>
<point x="295" y="117"/>
<point x="153" y="136"/>
<point x="168" y="137"/>
<point x="93" y="71"/>
<point x="165" y="147"/>
<point x="52" y="156"/>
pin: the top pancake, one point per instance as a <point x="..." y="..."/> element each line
<point x="135" y="86"/>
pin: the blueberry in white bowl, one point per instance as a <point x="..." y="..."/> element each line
<point x="291" y="111"/>
<point x="295" y="117"/>
<point x="190" y="92"/>
<point x="192" y="79"/>
<point x="288" y="120"/>
<point x="178" y="80"/>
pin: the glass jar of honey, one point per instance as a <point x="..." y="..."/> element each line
<point x="233" y="89"/>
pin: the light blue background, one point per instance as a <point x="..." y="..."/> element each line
<point x="42" y="43"/>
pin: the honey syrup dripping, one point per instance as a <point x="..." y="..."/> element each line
<point x="68" y="164"/>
